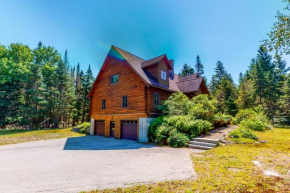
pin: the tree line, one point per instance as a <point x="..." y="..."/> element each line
<point x="265" y="86"/>
<point x="40" y="89"/>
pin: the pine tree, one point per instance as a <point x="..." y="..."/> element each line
<point x="216" y="79"/>
<point x="87" y="84"/>
<point x="186" y="70"/>
<point x="199" y="66"/>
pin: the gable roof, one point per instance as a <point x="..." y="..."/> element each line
<point x="152" y="61"/>
<point x="189" y="83"/>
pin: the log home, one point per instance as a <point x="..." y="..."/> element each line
<point x="128" y="90"/>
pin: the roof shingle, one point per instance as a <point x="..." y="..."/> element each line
<point x="152" y="61"/>
<point x="189" y="83"/>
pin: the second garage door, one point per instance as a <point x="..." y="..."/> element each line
<point x="99" y="127"/>
<point x="129" y="130"/>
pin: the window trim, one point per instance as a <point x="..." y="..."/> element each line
<point x="156" y="99"/>
<point x="103" y="104"/>
<point x="111" y="78"/>
<point x="123" y="104"/>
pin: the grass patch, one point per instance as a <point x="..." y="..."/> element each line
<point x="230" y="168"/>
<point x="20" y="136"/>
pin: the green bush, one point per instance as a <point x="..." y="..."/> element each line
<point x="259" y="122"/>
<point x="221" y="120"/>
<point x="163" y="133"/>
<point x="177" y="139"/>
<point x="84" y="128"/>
<point x="243" y="114"/>
<point x="188" y="125"/>
<point x="243" y="133"/>
<point x="152" y="130"/>
<point x="203" y="108"/>
<point x="177" y="104"/>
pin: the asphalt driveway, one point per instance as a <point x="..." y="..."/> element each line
<point x="86" y="163"/>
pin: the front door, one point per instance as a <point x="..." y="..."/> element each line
<point x="112" y="127"/>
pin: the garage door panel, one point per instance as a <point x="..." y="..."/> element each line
<point x="100" y="128"/>
<point x="129" y="130"/>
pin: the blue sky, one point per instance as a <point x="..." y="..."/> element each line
<point x="224" y="30"/>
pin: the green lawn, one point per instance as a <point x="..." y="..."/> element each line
<point x="230" y="168"/>
<point x="20" y="136"/>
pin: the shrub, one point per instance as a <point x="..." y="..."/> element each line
<point x="235" y="134"/>
<point x="152" y="130"/>
<point x="177" y="104"/>
<point x="84" y="128"/>
<point x="221" y="120"/>
<point x="244" y="114"/>
<point x="243" y="133"/>
<point x="249" y="135"/>
<point x="177" y="139"/>
<point x="188" y="125"/>
<point x="203" y="108"/>
<point x="259" y="122"/>
<point x="163" y="133"/>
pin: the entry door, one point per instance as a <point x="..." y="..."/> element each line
<point x="112" y="128"/>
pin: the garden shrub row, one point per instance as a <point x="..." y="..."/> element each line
<point x="249" y="121"/>
<point x="185" y="119"/>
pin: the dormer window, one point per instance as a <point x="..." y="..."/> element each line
<point x="115" y="79"/>
<point x="163" y="75"/>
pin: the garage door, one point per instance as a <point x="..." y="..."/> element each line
<point x="99" y="127"/>
<point x="129" y="130"/>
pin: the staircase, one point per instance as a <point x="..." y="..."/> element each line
<point x="203" y="143"/>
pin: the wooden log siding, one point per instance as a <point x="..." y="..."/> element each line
<point x="163" y="95"/>
<point x="162" y="66"/>
<point x="129" y="84"/>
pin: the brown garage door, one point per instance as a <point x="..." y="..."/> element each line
<point x="99" y="127"/>
<point x="129" y="130"/>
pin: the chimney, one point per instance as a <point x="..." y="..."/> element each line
<point x="171" y="72"/>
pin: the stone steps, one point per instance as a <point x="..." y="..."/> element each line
<point x="203" y="143"/>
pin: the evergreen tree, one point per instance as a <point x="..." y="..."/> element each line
<point x="216" y="79"/>
<point x="87" y="84"/>
<point x="199" y="66"/>
<point x="186" y="70"/>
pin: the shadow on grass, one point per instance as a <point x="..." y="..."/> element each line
<point x="10" y="132"/>
<point x="102" y="143"/>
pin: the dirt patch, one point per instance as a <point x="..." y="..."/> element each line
<point x="220" y="133"/>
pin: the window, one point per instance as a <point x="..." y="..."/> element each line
<point x="115" y="79"/>
<point x="104" y="104"/>
<point x="156" y="99"/>
<point x="125" y="101"/>
<point x="163" y="75"/>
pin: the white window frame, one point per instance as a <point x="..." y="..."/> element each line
<point x="163" y="75"/>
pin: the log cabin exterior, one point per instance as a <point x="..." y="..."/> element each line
<point x="129" y="88"/>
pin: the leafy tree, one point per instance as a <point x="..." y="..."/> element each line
<point x="279" y="37"/>
<point x="177" y="104"/>
<point x="38" y="89"/>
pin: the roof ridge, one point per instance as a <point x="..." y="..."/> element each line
<point x="189" y="79"/>
<point x="128" y="52"/>
<point x="154" y="57"/>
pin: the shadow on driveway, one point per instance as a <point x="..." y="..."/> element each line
<point x="102" y="143"/>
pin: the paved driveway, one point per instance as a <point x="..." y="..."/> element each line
<point x="86" y="163"/>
